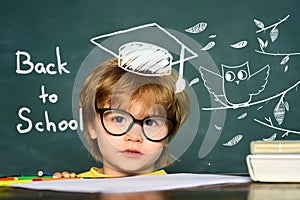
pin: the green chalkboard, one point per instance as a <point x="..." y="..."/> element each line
<point x="259" y="36"/>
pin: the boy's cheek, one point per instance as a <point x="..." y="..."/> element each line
<point x="152" y="147"/>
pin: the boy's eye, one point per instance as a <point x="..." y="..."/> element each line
<point x="155" y="121"/>
<point x="119" y="119"/>
<point x="150" y="122"/>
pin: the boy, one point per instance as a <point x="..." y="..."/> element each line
<point x="129" y="120"/>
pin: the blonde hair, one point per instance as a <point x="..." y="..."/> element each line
<point x="109" y="83"/>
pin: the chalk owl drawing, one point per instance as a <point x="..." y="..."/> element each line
<point x="237" y="85"/>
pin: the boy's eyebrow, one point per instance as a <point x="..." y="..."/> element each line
<point x="117" y="106"/>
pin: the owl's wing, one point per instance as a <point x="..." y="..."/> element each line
<point x="259" y="80"/>
<point x="212" y="81"/>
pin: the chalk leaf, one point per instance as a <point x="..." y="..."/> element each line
<point x="242" y="116"/>
<point x="287" y="106"/>
<point x="208" y="46"/>
<point x="198" y="28"/>
<point x="286" y="68"/>
<point x="260" y="107"/>
<point x="233" y="141"/>
<point x="218" y="127"/>
<point x="259" y="24"/>
<point x="194" y="81"/>
<point x="266" y="44"/>
<point x="272" y="138"/>
<point x="240" y="44"/>
<point x="285" y="60"/>
<point x="274" y="34"/>
<point x="261" y="43"/>
<point x="279" y="112"/>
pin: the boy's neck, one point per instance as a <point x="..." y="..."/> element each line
<point x="111" y="171"/>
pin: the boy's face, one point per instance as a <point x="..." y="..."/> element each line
<point x="130" y="153"/>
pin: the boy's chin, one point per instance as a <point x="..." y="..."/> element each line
<point x="135" y="169"/>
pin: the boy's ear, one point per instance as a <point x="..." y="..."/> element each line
<point x="92" y="133"/>
<point x="166" y="143"/>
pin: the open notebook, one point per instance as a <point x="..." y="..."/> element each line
<point x="133" y="184"/>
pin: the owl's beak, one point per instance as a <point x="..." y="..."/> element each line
<point x="237" y="82"/>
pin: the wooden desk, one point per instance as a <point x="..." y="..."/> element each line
<point x="249" y="191"/>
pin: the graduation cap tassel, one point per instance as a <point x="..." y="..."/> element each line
<point x="180" y="84"/>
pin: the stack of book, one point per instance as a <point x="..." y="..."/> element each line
<point x="275" y="161"/>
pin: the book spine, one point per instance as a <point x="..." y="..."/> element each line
<point x="275" y="148"/>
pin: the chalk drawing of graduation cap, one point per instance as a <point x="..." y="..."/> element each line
<point x="148" y="50"/>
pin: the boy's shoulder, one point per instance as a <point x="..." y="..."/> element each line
<point x="94" y="172"/>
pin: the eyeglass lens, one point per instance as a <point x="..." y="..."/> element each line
<point x="119" y="122"/>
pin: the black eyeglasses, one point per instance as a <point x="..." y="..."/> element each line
<point x="118" y="122"/>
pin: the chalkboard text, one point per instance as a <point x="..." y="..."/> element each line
<point x="26" y="66"/>
<point x="53" y="98"/>
<point x="47" y="124"/>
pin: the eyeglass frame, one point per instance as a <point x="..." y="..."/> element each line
<point x="140" y="121"/>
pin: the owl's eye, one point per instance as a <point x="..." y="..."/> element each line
<point x="242" y="75"/>
<point x="229" y="76"/>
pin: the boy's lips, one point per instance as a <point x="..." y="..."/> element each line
<point x="131" y="153"/>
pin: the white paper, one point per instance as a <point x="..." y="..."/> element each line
<point x="133" y="184"/>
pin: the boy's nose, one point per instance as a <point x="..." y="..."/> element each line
<point x="135" y="134"/>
